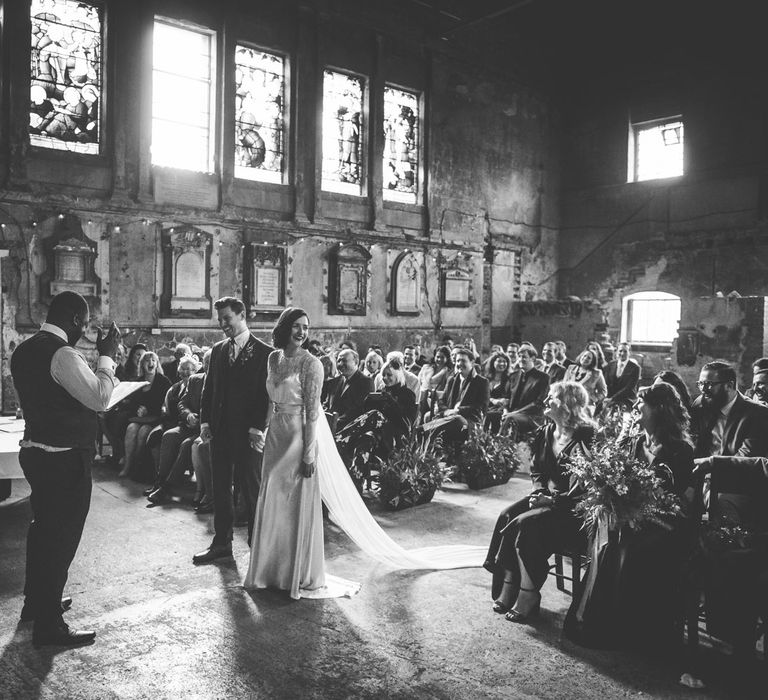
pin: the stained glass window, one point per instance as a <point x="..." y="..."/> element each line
<point x="259" y="115"/>
<point x="401" y="145"/>
<point x="65" y="88"/>
<point x="183" y="93"/>
<point x="342" y="132"/>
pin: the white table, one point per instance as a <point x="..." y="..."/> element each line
<point x="11" y="431"/>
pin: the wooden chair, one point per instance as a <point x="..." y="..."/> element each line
<point x="579" y="562"/>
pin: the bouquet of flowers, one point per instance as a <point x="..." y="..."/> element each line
<point x="621" y="489"/>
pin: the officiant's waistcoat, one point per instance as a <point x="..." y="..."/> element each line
<point x="52" y="416"/>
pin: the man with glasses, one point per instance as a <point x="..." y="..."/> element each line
<point x="725" y="421"/>
<point x="528" y="387"/>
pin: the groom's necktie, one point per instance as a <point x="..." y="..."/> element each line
<point x="232" y="351"/>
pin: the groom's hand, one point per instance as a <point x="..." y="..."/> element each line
<point x="205" y="432"/>
<point x="256" y="439"/>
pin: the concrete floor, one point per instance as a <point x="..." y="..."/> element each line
<point x="168" y="629"/>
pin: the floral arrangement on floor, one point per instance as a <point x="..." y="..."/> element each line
<point x="486" y="459"/>
<point x="412" y="473"/>
<point x="620" y="489"/>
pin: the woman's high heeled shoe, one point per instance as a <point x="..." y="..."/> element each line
<point x="517" y="616"/>
<point x="499" y="606"/>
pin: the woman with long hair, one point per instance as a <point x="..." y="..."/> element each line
<point x="632" y="588"/>
<point x="433" y="377"/>
<point x="497" y="373"/>
<point x="675" y="380"/>
<point x="530" y="530"/>
<point x="146" y="410"/>
<point x="586" y="372"/>
<point x="599" y="353"/>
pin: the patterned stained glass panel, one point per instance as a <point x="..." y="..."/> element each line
<point x="182" y="97"/>
<point x="401" y="145"/>
<point x="342" y="132"/>
<point x="65" y="86"/>
<point x="259" y="115"/>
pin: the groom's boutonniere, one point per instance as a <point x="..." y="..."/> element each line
<point x="247" y="352"/>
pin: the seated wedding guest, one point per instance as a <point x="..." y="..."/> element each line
<point x="552" y="367"/>
<point x="420" y="359"/>
<point x="759" y="389"/>
<point x="200" y="455"/>
<point x="512" y="349"/>
<point x="115" y="421"/>
<point x="373" y="364"/>
<point x="586" y="372"/>
<point x="346" y="393"/>
<point x="596" y="348"/>
<point x="632" y="589"/>
<point x="120" y="360"/>
<point x="171" y="368"/>
<point x="621" y="379"/>
<point x="411" y="380"/>
<point x="409" y="355"/>
<point x="329" y="370"/>
<point x="315" y="347"/>
<point x="562" y="356"/>
<point x="388" y="417"/>
<point x="530" y="530"/>
<point x="724" y="422"/>
<point x="498" y="374"/>
<point x="528" y="388"/>
<point x="433" y="378"/>
<point x="463" y="403"/>
<point x="145" y="410"/>
<point x="674" y="379"/>
<point x="176" y="442"/>
<point x="170" y="412"/>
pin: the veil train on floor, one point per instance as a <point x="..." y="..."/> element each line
<point x="350" y="513"/>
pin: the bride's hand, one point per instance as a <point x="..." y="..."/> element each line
<point x="307" y="469"/>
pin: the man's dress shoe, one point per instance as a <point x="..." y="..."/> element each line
<point x="62" y="636"/>
<point x="212" y="553"/>
<point x="204" y="508"/>
<point x="28" y="614"/>
<point x="159" y="496"/>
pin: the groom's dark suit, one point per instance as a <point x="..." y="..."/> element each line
<point x="234" y="400"/>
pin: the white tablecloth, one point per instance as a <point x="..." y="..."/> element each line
<point x="11" y="431"/>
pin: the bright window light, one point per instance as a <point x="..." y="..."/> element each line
<point x="650" y="318"/>
<point x="658" y="150"/>
<point x="342" y="132"/>
<point x="401" y="145"/>
<point x="182" y="97"/>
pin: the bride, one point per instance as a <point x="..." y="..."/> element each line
<point x="301" y="466"/>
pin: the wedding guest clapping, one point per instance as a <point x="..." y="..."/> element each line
<point x="530" y="530"/>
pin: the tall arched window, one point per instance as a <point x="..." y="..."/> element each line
<point x="650" y="318"/>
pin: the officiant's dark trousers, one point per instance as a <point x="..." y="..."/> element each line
<point x="60" y="499"/>
<point x="233" y="457"/>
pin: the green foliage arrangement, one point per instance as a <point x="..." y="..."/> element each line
<point x="486" y="459"/>
<point x="412" y="472"/>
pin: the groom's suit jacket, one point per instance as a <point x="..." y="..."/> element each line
<point x="235" y="396"/>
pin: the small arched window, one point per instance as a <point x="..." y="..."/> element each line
<point x="650" y="318"/>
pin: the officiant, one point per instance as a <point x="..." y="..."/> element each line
<point x="60" y="396"/>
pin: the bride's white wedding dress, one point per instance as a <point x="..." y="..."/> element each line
<point x="287" y="542"/>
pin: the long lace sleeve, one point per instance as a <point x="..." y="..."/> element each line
<point x="311" y="379"/>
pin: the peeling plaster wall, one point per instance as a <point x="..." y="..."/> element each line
<point x="694" y="236"/>
<point x="492" y="182"/>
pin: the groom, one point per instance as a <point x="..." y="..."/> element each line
<point x="233" y="417"/>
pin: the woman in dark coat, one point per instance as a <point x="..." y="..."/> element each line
<point x="529" y="531"/>
<point x="389" y="416"/>
<point x="631" y="592"/>
<point x="497" y="372"/>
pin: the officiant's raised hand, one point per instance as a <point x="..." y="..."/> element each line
<point x="109" y="342"/>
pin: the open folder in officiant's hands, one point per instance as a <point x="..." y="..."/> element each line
<point x="123" y="390"/>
